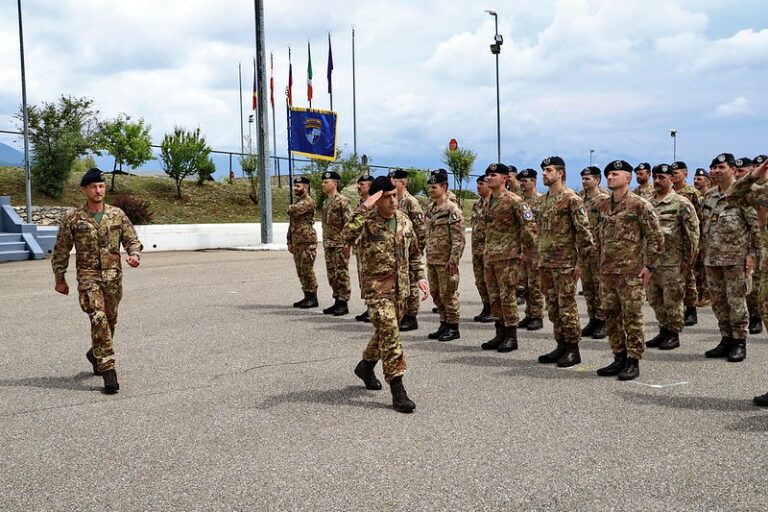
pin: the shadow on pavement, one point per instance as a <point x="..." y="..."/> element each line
<point x="526" y="367"/>
<point x="661" y="356"/>
<point x="689" y="402"/>
<point x="757" y="423"/>
<point x="344" y="396"/>
<point x="75" y="382"/>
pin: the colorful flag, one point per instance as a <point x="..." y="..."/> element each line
<point x="312" y="133"/>
<point x="271" y="80"/>
<point x="330" y="65"/>
<point x="309" y="73"/>
<point x="255" y="89"/>
<point x="290" y="79"/>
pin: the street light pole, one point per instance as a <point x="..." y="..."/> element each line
<point x="591" y="152"/>
<point x="673" y="134"/>
<point x="27" y="173"/>
<point x="496" y="49"/>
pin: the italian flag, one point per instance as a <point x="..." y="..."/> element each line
<point x="309" y="73"/>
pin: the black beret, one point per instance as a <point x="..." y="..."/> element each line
<point x="512" y="169"/>
<point x="527" y="173"/>
<point x="94" y="175"/>
<point x="331" y="175"/>
<point x="592" y="170"/>
<point x="301" y="179"/>
<point x="497" y="169"/>
<point x="722" y="158"/>
<point x="679" y="165"/>
<point x="398" y="174"/>
<point x="759" y="159"/>
<point x="743" y="162"/>
<point x="438" y="176"/>
<point x="645" y="166"/>
<point x="365" y="178"/>
<point x="553" y="160"/>
<point x="383" y="184"/>
<point x="663" y="169"/>
<point x="701" y="172"/>
<point x="618" y="165"/>
<point x="480" y="179"/>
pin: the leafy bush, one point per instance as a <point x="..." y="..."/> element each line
<point x="465" y="194"/>
<point x="182" y="154"/>
<point x="205" y="171"/>
<point x="418" y="182"/>
<point x="82" y="165"/>
<point x="137" y="210"/>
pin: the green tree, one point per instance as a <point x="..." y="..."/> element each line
<point x="182" y="154"/>
<point x="249" y="163"/>
<point x="205" y="169"/>
<point x="59" y="133"/>
<point x="459" y="162"/>
<point x="418" y="181"/>
<point x="129" y="143"/>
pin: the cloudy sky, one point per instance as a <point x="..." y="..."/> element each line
<point x="610" y="75"/>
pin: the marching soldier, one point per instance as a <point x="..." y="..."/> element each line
<point x="531" y="283"/>
<point x="390" y="258"/>
<point x="336" y="214"/>
<point x="626" y="224"/>
<point x="730" y="241"/>
<point x="679" y="224"/>
<point x="410" y="206"/>
<point x="302" y="241"/>
<point x="510" y="238"/>
<point x="565" y="242"/>
<point x="96" y="231"/>
<point x="644" y="188"/>
<point x="478" y="247"/>
<point x="445" y="245"/>
<point x="590" y="273"/>
<point x="744" y="166"/>
<point x="363" y="186"/>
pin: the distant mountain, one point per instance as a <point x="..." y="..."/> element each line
<point x="10" y="157"/>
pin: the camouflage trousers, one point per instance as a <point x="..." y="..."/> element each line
<point x="623" y="298"/>
<point x="304" y="258"/>
<point x="728" y="291"/>
<point x="689" y="283"/>
<point x="531" y="280"/>
<point x="763" y="301"/>
<point x="665" y="294"/>
<point x="502" y="277"/>
<point x="412" y="302"/>
<point x="560" y="292"/>
<point x="753" y="298"/>
<point x="444" y="288"/>
<point x="385" y="344"/>
<point x="590" y="283"/>
<point x="702" y="288"/>
<point x="479" y="269"/>
<point x="337" y="266"/>
<point x="100" y="299"/>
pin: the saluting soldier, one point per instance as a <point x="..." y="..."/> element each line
<point x="445" y="245"/>
<point x="302" y="241"/>
<point x="336" y="214"/>
<point x="363" y="186"/>
<point x="531" y="282"/>
<point x="679" y="224"/>
<point x="590" y="273"/>
<point x="744" y="166"/>
<point x="730" y="241"/>
<point x="644" y="187"/>
<point x="478" y="248"/>
<point x="390" y="258"/>
<point x="96" y="231"/>
<point x="629" y="242"/>
<point x="510" y="239"/>
<point x="565" y="242"/>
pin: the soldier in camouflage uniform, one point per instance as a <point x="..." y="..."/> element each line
<point x="96" y="231"/>
<point x="531" y="282"/>
<point x="444" y="247"/>
<point x="644" y="187"/>
<point x="565" y="242"/>
<point x="510" y="239"/>
<point x="590" y="273"/>
<point x="512" y="184"/>
<point x="730" y="241"/>
<point x="680" y="225"/>
<point x="336" y="214"/>
<point x="626" y="223"/>
<point x="363" y="187"/>
<point x="302" y="241"/>
<point x="410" y="206"/>
<point x="702" y="183"/>
<point x="390" y="258"/>
<point x="680" y="170"/>
<point x="744" y="166"/>
<point x="478" y="247"/>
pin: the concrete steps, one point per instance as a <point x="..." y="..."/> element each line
<point x="12" y="247"/>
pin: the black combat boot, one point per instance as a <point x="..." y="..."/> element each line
<point x="535" y="324"/>
<point x="451" y="333"/>
<point x="329" y="310"/>
<point x="110" y="382"/>
<point x="691" y="317"/>
<point x="494" y="343"/>
<point x="552" y="357"/>
<point x="364" y="370"/>
<point x="672" y="341"/>
<point x="363" y="317"/>
<point x="485" y="314"/>
<point x="439" y="332"/>
<point x="524" y="322"/>
<point x="92" y="359"/>
<point x="409" y="323"/>
<point x="310" y="301"/>
<point x="738" y="351"/>
<point x="434" y="310"/>
<point x="571" y="357"/>
<point x="589" y="329"/>
<point x="755" y="325"/>
<point x="510" y="339"/>
<point x="302" y="301"/>
<point x="631" y="371"/>
<point x="341" y="308"/>
<point x="400" y="400"/>
<point x="761" y="400"/>
<point x="618" y="364"/>
<point x="600" y="331"/>
<point x="722" y="349"/>
<point x="658" y="339"/>
<point x="520" y="299"/>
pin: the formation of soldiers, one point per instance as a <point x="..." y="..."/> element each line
<point x="680" y="247"/>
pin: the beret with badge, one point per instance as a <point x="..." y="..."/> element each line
<point x="701" y="172"/>
<point x="381" y="184"/>
<point x="301" y="180"/>
<point x="438" y="176"/>
<point x="480" y="179"/>
<point x="618" y="165"/>
<point x="527" y="173"/>
<point x="663" y="169"/>
<point x="512" y="169"/>
<point x="398" y="174"/>
<point x="553" y="160"/>
<point x="331" y="175"/>
<point x="679" y="165"/>
<point x="645" y="166"/>
<point x="497" y="169"/>
<point x="94" y="175"/>
<point x="743" y="162"/>
<point x="722" y="158"/>
<point x="759" y="159"/>
<point x="592" y="170"/>
<point x="367" y="177"/>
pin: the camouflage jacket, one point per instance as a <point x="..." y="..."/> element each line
<point x="747" y="192"/>
<point x="589" y="205"/>
<point x="410" y="206"/>
<point x="452" y="197"/>
<point x="389" y="260"/>
<point x="646" y="193"/>
<point x="623" y="230"/>
<point x="728" y="232"/>
<point x="301" y="223"/>
<point x="336" y="214"/>
<point x="534" y="203"/>
<point x="510" y="229"/>
<point x="445" y="234"/>
<point x="692" y="195"/>
<point x="97" y="246"/>
<point x="478" y="227"/>
<point x="565" y="239"/>
<point x="679" y="224"/>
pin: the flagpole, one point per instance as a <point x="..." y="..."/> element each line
<point x="354" y="98"/>
<point x="330" y="70"/>
<point x="288" y="145"/>
<point x="25" y="120"/>
<point x="274" y="126"/>
<point x="265" y="190"/>
<point x="240" y="79"/>
<point x="309" y="75"/>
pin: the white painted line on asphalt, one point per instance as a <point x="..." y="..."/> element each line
<point x="659" y="386"/>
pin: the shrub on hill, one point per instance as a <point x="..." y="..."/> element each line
<point x="137" y="210"/>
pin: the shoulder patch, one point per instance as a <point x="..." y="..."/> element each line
<point x="454" y="216"/>
<point x="527" y="213"/>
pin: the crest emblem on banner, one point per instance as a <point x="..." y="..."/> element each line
<point x="313" y="129"/>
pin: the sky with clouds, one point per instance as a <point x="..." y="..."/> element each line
<point x="610" y="75"/>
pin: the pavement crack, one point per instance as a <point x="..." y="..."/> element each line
<point x="274" y="365"/>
